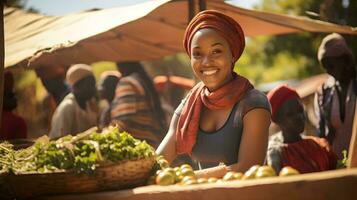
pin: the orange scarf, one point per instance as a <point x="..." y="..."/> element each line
<point x="309" y="155"/>
<point x="189" y="120"/>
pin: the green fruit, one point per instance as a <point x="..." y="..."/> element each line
<point x="187" y="178"/>
<point x="186" y="166"/>
<point x="170" y="170"/>
<point x="229" y="176"/>
<point x="263" y="174"/>
<point x="165" y="178"/>
<point x="212" y="180"/>
<point x="250" y="174"/>
<point x="238" y="175"/>
<point x="267" y="169"/>
<point x="178" y="178"/>
<point x="187" y="172"/>
<point x="176" y="169"/>
<point x="163" y="163"/>
<point x="288" y="171"/>
<point x="219" y="181"/>
<point x="190" y="182"/>
<point x="202" y="180"/>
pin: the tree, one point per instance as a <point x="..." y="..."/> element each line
<point x="293" y="56"/>
<point x="15" y="3"/>
<point x="20" y="4"/>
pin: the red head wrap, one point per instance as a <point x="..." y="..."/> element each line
<point x="278" y="96"/>
<point x="224" y="25"/>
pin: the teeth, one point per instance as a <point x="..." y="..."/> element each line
<point x="209" y="72"/>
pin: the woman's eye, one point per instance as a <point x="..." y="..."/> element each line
<point x="216" y="51"/>
<point x="196" y="54"/>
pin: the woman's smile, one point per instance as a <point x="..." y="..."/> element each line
<point x="209" y="72"/>
<point x="211" y="59"/>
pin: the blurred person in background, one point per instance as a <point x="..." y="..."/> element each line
<point x="78" y="110"/>
<point x="289" y="147"/>
<point x="171" y="90"/>
<point x="136" y="107"/>
<point x="53" y="79"/>
<point x="12" y="125"/>
<point x="107" y="85"/>
<point x="335" y="101"/>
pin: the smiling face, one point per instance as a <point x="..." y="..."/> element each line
<point x="211" y="58"/>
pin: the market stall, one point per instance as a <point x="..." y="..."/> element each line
<point x="116" y="34"/>
<point x="37" y="39"/>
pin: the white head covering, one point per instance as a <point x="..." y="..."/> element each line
<point x="77" y="72"/>
<point x="333" y="45"/>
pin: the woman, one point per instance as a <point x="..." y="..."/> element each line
<point x="136" y="107"/>
<point x="288" y="147"/>
<point x="223" y="119"/>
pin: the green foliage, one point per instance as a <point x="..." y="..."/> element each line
<point x="82" y="153"/>
<point x="293" y="56"/>
<point x="86" y="157"/>
<point x="6" y="154"/>
<point x="53" y="156"/>
<point x="342" y="163"/>
<point x="15" y="3"/>
<point x="19" y="4"/>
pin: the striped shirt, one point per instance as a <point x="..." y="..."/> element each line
<point x="132" y="109"/>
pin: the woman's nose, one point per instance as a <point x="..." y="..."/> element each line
<point x="206" y="61"/>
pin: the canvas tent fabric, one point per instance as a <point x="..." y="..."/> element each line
<point x="143" y="31"/>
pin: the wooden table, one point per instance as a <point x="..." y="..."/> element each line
<point x="337" y="184"/>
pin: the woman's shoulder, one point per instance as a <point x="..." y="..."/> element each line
<point x="254" y="99"/>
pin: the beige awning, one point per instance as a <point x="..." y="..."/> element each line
<point x="144" y="31"/>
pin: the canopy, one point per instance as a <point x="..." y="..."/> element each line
<point x="143" y="31"/>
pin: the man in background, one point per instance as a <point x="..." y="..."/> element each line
<point x="78" y="110"/>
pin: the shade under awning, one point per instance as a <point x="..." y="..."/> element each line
<point x="143" y="31"/>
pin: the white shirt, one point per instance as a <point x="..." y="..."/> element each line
<point x="69" y="118"/>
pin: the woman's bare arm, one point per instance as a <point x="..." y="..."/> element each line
<point x="253" y="146"/>
<point x="167" y="147"/>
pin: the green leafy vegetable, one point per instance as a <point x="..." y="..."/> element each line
<point x="83" y="152"/>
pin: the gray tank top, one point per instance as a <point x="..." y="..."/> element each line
<point x="223" y="145"/>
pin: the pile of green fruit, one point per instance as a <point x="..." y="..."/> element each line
<point x="83" y="152"/>
<point x="184" y="175"/>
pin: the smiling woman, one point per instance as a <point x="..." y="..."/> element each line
<point x="223" y="116"/>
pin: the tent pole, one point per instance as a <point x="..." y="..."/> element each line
<point x="2" y="60"/>
<point x="191" y="10"/>
<point x="352" y="151"/>
<point x="202" y="5"/>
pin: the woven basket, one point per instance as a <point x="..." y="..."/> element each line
<point x="121" y="175"/>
